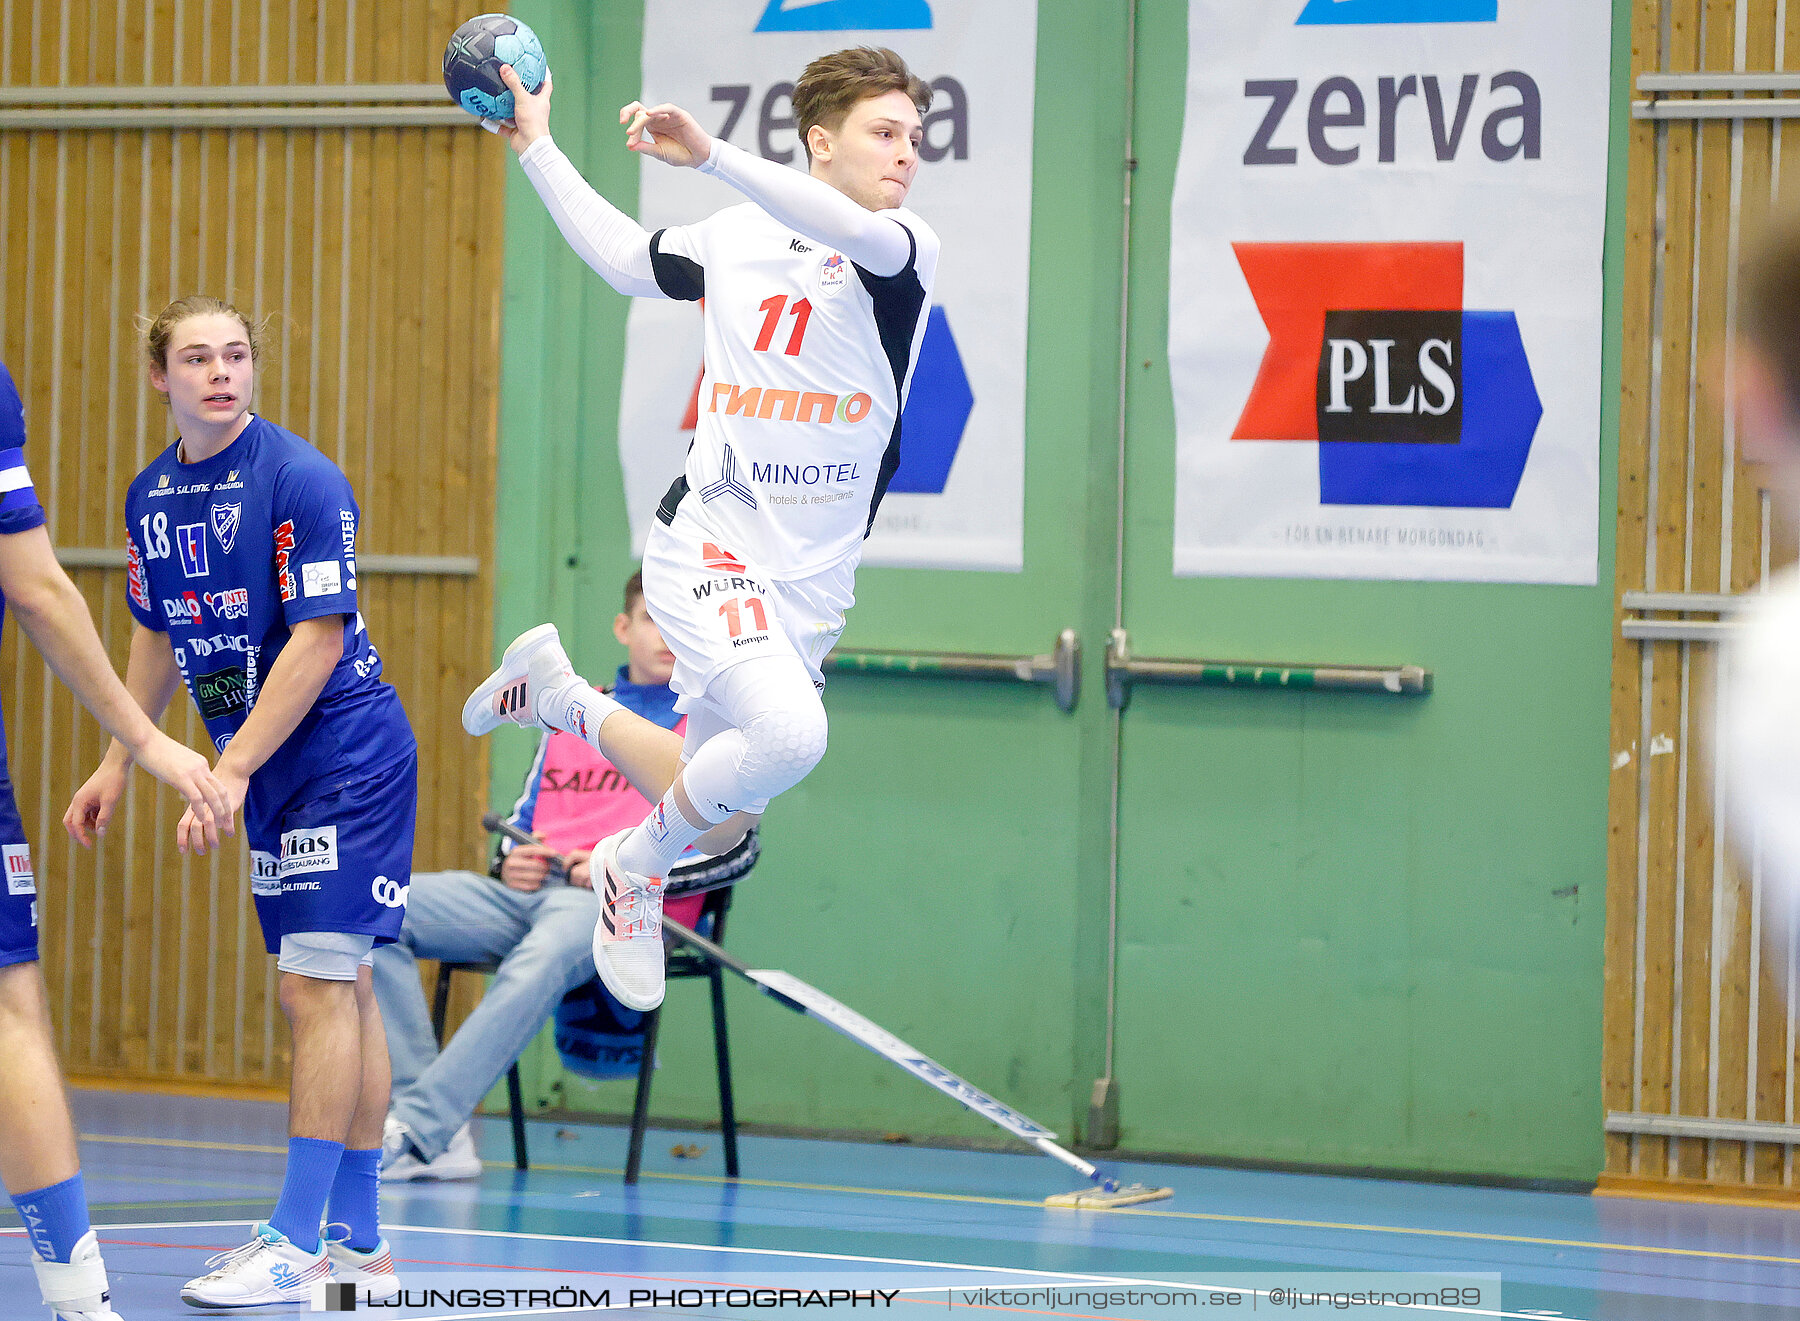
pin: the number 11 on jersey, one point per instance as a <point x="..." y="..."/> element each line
<point x="734" y="620"/>
<point x="772" y="309"/>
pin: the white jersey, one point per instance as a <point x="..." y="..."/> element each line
<point x="1758" y="738"/>
<point x="808" y="358"/>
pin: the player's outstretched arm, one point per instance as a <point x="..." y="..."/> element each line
<point x="608" y="240"/>
<point x="151" y="678"/>
<point x="294" y="682"/>
<point x="872" y="239"/>
<point x="55" y="616"/>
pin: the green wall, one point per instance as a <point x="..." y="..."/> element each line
<point x="1352" y="931"/>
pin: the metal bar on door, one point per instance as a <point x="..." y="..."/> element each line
<point x="1060" y="668"/>
<point x="1124" y="670"/>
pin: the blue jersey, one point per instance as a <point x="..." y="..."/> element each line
<point x="228" y="554"/>
<point x="19" y="512"/>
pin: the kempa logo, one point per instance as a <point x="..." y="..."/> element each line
<point x="1344" y="13"/>
<point x="845" y="16"/>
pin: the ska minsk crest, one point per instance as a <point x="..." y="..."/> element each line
<point x="225" y="520"/>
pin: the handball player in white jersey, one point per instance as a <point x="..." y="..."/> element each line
<point x="1757" y="742"/>
<point x="817" y="290"/>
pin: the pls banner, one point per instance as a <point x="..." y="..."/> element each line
<point x="958" y="498"/>
<point x="1385" y="290"/>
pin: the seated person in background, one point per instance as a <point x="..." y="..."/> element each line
<point x="539" y="929"/>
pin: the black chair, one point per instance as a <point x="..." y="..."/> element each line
<point x="441" y="1003"/>
<point x="684" y="962"/>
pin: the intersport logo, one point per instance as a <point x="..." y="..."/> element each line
<point x="1345" y="13"/>
<point x="845" y="16"/>
<point x="1414" y="399"/>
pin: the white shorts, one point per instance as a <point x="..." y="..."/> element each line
<point x="715" y="609"/>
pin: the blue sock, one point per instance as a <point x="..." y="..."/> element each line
<point x="55" y="1217"/>
<point x="311" y="1166"/>
<point x="355" y="1197"/>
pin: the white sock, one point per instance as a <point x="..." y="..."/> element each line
<point x="652" y="848"/>
<point x="579" y="708"/>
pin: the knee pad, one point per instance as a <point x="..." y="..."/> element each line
<point x="326" y="956"/>
<point x="781" y="747"/>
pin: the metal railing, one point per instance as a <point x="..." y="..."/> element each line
<point x="329" y="105"/>
<point x="1686" y="1126"/>
<point x="1722" y="604"/>
<point x="1695" y="85"/>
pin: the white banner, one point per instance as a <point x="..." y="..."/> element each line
<point x="1385" y="289"/>
<point x="958" y="499"/>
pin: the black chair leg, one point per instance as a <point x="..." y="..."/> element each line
<point x="440" y="1004"/>
<point x="515" y="1095"/>
<point x="722" y="1052"/>
<point x="640" y="1108"/>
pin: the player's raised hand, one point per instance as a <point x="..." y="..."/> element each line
<point x="666" y="132"/>
<point x="531" y="111"/>
<point x="200" y="826"/>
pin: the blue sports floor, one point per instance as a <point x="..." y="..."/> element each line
<point x="174" y="1179"/>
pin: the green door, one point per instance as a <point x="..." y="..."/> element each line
<point x="1354" y="929"/>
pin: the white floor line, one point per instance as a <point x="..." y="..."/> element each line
<point x="163" y="1224"/>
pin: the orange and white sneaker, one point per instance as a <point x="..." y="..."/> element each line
<point x="372" y="1272"/>
<point x="628" y="945"/>
<point x="534" y="664"/>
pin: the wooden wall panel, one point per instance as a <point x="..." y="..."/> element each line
<point x="376" y="254"/>
<point x="1697" y="1023"/>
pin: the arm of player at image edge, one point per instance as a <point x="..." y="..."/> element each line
<point x="55" y="616"/>
<point x="151" y="678"/>
<point x="874" y="240"/>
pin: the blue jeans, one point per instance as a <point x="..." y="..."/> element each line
<point x="543" y="941"/>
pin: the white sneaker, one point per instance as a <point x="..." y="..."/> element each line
<point x="267" y="1269"/>
<point x="534" y="664"/>
<point x="396" y="1139"/>
<point x="628" y="945"/>
<point x="372" y="1272"/>
<point x="459" y="1160"/>
<point x="76" y="1289"/>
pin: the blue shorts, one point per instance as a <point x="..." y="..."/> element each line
<point x="18" y="896"/>
<point x="340" y="861"/>
<point x="18" y="905"/>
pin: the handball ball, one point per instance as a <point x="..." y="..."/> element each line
<point x="473" y="58"/>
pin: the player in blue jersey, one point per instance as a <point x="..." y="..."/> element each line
<point x="38" y="1160"/>
<point x="241" y="545"/>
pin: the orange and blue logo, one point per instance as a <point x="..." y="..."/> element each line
<point x="1414" y="399"/>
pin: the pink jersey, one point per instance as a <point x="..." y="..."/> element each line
<point x="582" y="798"/>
